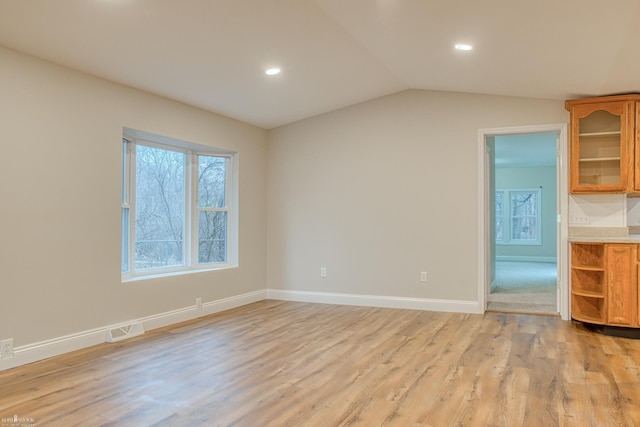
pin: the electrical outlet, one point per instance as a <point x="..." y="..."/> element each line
<point x="6" y="348"/>
<point x="578" y="219"/>
<point x="323" y="271"/>
<point x="423" y="276"/>
<point x="199" y="303"/>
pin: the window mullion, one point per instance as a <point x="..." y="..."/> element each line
<point x="195" y="204"/>
<point x="190" y="209"/>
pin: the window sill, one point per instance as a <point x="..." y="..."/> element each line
<point x="519" y="243"/>
<point x="156" y="275"/>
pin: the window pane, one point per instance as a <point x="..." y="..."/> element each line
<point x="524" y="204"/>
<point x="160" y="201"/>
<point x="499" y="215"/>
<point x="211" y="181"/>
<point x="524" y="228"/>
<point x="212" y="237"/>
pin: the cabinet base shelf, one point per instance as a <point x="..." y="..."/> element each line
<point x="615" y="331"/>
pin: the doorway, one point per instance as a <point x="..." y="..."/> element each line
<point x="525" y="276"/>
<point x="523" y="237"/>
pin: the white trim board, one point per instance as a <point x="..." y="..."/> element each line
<point x="376" y="301"/>
<point x="45" y="349"/>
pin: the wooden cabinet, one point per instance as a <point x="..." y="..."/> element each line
<point x="636" y="182"/>
<point x="603" y="135"/>
<point x="604" y="283"/>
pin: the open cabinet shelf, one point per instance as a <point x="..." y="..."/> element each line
<point x="588" y="288"/>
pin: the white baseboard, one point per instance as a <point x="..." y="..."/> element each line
<point x="42" y="350"/>
<point x="526" y="258"/>
<point x="377" y="301"/>
<point x="45" y="349"/>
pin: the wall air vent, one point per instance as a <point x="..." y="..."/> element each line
<point x="119" y="333"/>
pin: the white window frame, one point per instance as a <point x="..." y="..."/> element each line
<point x="133" y="138"/>
<point x="196" y="209"/>
<point x="507" y="219"/>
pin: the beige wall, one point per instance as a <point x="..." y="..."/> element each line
<point x="60" y="192"/>
<point x="380" y="191"/>
<point x="375" y="193"/>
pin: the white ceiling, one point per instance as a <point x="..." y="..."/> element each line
<point x="333" y="53"/>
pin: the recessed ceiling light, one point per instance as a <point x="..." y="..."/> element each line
<point x="272" y="71"/>
<point x="463" y="46"/>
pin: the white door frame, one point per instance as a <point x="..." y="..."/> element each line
<point x="484" y="214"/>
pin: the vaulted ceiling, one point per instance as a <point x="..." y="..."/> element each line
<point x="333" y="53"/>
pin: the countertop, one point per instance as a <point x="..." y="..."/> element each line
<point x="604" y="235"/>
<point x="632" y="238"/>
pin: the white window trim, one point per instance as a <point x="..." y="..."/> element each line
<point x="192" y="151"/>
<point x="506" y="218"/>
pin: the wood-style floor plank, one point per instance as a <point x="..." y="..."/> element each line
<point x="277" y="363"/>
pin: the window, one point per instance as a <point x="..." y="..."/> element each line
<point x="177" y="206"/>
<point x="518" y="217"/>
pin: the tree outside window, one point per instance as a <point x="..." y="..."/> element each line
<point x="518" y="217"/>
<point x="176" y="208"/>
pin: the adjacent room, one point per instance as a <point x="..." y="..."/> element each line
<point x="281" y="213"/>
<point x="525" y="277"/>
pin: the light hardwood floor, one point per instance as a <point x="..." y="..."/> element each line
<point x="278" y="363"/>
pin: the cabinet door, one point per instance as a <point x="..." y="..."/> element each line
<point x="622" y="285"/>
<point x="636" y="185"/>
<point x="602" y="147"/>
